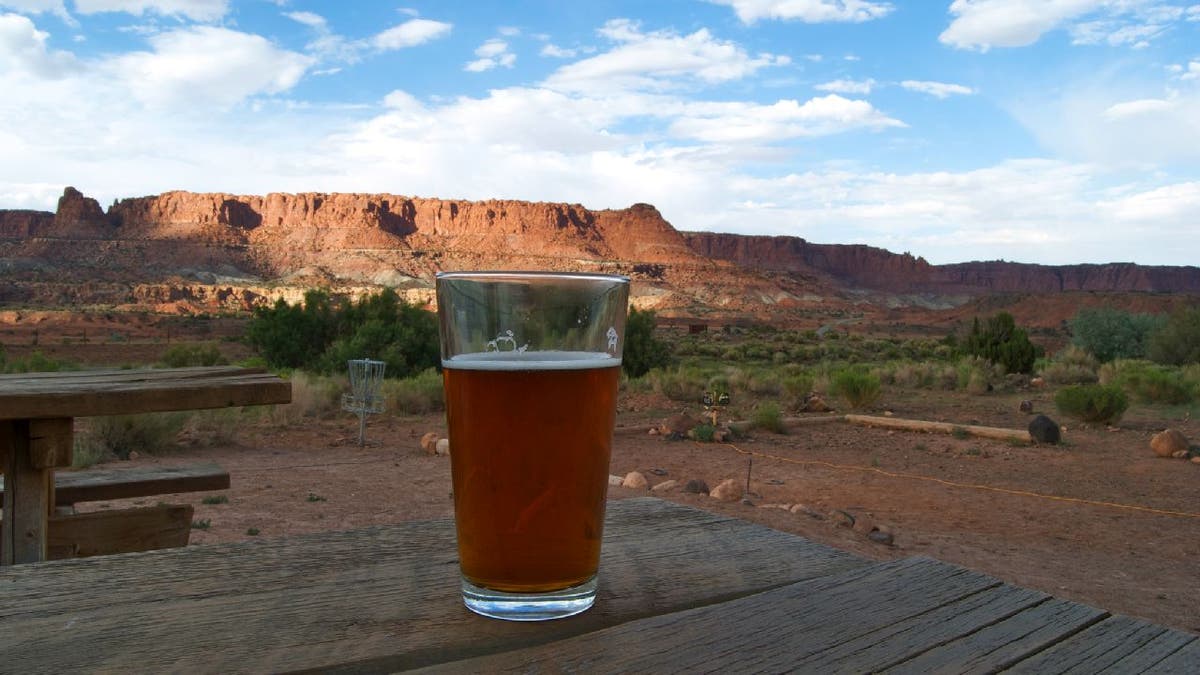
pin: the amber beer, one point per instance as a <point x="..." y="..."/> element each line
<point x="531" y="435"/>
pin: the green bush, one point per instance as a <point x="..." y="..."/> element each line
<point x="1092" y="402"/>
<point x="679" y="384"/>
<point x="858" y="388"/>
<point x="1073" y="365"/>
<point x="321" y="335"/>
<point x="704" y="433"/>
<point x="768" y="417"/>
<point x="37" y="362"/>
<point x="1109" y="333"/>
<point x="1178" y="341"/>
<point x="1149" y="382"/>
<point x="642" y="351"/>
<point x="183" y="356"/>
<point x="1000" y="341"/>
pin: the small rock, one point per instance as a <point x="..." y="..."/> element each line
<point x="1027" y="406"/>
<point x="665" y="486"/>
<point x="881" y="537"/>
<point x="653" y="431"/>
<point x="133" y="455"/>
<point x="1037" y="382"/>
<point x="746" y="501"/>
<point x="727" y="491"/>
<point x="782" y="507"/>
<point x="806" y="510"/>
<point x="615" y="481"/>
<point x="658" y="472"/>
<point x="814" y="403"/>
<point x="720" y="436"/>
<point x="842" y="518"/>
<point x="677" y="426"/>
<point x="429" y="442"/>
<point x="863" y="525"/>
<point x="442" y="447"/>
<point x="696" y="486"/>
<point x="635" y="480"/>
<point x="1045" y="430"/>
<point x="1196" y="459"/>
<point x="888" y="413"/>
<point x="1169" y="442"/>
<point x="1179" y="454"/>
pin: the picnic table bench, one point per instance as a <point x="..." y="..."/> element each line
<point x="37" y="412"/>
<point x="681" y="590"/>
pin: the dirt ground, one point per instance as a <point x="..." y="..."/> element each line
<point x="1099" y="520"/>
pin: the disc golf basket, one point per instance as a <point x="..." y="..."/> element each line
<point x="366" y="379"/>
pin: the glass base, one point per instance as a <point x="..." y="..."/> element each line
<point x="529" y="606"/>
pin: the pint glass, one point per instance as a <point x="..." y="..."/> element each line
<point x="531" y="362"/>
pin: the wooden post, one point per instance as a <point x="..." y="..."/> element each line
<point x="26" y="498"/>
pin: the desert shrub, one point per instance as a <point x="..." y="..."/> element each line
<point x="417" y="395"/>
<point x="768" y="417"/>
<point x="37" y="362"/>
<point x="1092" y="402"/>
<point x="642" y="351"/>
<point x="321" y="334"/>
<point x="1148" y="381"/>
<point x="214" y="427"/>
<point x="312" y="396"/>
<point x="1178" y="341"/>
<point x="1073" y="365"/>
<point x="1000" y="341"/>
<point x="1109" y="333"/>
<point x="858" y="388"/>
<point x="679" y="384"/>
<point x="796" y="389"/>
<point x="704" y="432"/>
<point x="120" y="435"/>
<point x="182" y="356"/>
<point x="86" y="453"/>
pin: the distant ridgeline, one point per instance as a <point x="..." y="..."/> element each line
<point x="236" y="250"/>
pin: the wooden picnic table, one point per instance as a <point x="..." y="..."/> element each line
<point x="37" y="412"/>
<point x="680" y="590"/>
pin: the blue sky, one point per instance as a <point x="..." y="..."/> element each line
<point x="1049" y="131"/>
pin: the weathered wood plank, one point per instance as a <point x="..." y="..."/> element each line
<point x="381" y="598"/>
<point x="1183" y="661"/>
<point x="51" y="442"/>
<point x="121" y="530"/>
<point x="26" y="500"/>
<point x="129" y="392"/>
<point x="767" y="632"/>
<point x="93" y="485"/>
<point x="1005" y="642"/>
<point x="1094" y="649"/>
<point x="902" y="640"/>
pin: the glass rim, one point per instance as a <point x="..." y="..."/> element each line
<point x="516" y="275"/>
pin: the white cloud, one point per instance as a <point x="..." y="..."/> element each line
<point x="847" y="86"/>
<point x="410" y="34"/>
<point x="1135" y="108"/>
<point x="197" y="10"/>
<point x="307" y="18"/>
<point x="1177" y="203"/>
<point x="55" y="7"/>
<point x="491" y="49"/>
<point x="509" y="31"/>
<point x="983" y="24"/>
<point x="808" y="11"/>
<point x="741" y="122"/>
<point x="209" y="65"/>
<point x="659" y="61"/>
<point x="1189" y="72"/>
<point x="937" y="89"/>
<point x="23" y="50"/>
<point x="554" y="51"/>
<point x="492" y="54"/>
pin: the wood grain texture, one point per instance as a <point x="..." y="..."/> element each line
<point x="1120" y="643"/>
<point x="380" y="599"/>
<point x="1183" y="661"/>
<point x="26" y="499"/>
<point x="121" y="392"/>
<point x="51" y="442"/>
<point x="92" y="485"/>
<point x="120" y="531"/>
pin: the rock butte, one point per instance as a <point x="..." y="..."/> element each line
<point x="210" y="251"/>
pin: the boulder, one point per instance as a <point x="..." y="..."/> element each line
<point x="1045" y="430"/>
<point x="727" y="491"/>
<point x="615" y="481"/>
<point x="429" y="442"/>
<point x="814" y="403"/>
<point x="1027" y="406"/>
<point x="696" y="486"/>
<point x="1169" y="442"/>
<point x="635" y="480"/>
<point x="442" y="447"/>
<point x="677" y="427"/>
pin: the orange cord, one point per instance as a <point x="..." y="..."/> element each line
<point x="972" y="486"/>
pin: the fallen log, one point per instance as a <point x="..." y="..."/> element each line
<point x="998" y="433"/>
